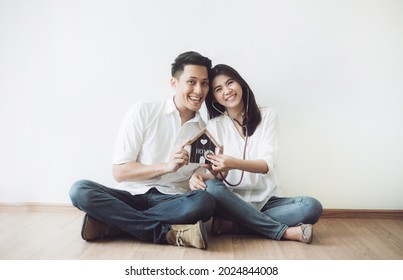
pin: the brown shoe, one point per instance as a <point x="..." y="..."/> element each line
<point x="188" y="235"/>
<point x="94" y="229"/>
<point x="221" y="226"/>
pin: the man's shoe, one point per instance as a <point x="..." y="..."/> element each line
<point x="307" y="233"/>
<point x="94" y="229"/>
<point x="221" y="226"/>
<point x="188" y="235"/>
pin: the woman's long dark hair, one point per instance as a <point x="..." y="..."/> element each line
<point x="253" y="118"/>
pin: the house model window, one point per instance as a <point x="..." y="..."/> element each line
<point x="202" y="145"/>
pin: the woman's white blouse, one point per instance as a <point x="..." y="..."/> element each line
<point x="255" y="188"/>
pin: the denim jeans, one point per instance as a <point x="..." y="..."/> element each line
<point x="148" y="216"/>
<point x="274" y="218"/>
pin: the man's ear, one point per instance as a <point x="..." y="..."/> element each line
<point x="173" y="82"/>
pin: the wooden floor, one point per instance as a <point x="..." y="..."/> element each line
<point x="54" y="234"/>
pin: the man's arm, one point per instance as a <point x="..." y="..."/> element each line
<point x="135" y="171"/>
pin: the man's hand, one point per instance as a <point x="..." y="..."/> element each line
<point x="178" y="159"/>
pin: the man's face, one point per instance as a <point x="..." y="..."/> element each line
<point x="191" y="88"/>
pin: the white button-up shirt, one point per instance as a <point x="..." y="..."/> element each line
<point x="149" y="134"/>
<point x="263" y="144"/>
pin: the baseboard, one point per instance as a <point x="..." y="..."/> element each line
<point x="327" y="213"/>
<point x="33" y="207"/>
<point x="362" y="213"/>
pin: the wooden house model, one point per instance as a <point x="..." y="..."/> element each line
<point x="202" y="145"/>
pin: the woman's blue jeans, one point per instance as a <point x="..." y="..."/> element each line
<point x="148" y="216"/>
<point x="274" y="218"/>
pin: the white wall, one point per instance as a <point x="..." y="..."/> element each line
<point x="69" y="70"/>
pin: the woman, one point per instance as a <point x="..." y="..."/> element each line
<point x="244" y="179"/>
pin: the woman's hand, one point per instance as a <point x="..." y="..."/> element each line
<point x="222" y="163"/>
<point x="196" y="182"/>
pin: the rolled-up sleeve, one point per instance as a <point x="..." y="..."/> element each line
<point x="269" y="146"/>
<point x="129" y="140"/>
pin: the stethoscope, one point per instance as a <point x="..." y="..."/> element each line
<point x="246" y="136"/>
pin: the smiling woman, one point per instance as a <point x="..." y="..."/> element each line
<point x="255" y="202"/>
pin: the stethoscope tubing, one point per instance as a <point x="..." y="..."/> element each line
<point x="246" y="139"/>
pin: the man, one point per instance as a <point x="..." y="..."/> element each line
<point x="153" y="201"/>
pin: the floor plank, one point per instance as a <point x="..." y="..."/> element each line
<point x="55" y="235"/>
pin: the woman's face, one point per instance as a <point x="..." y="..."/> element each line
<point x="227" y="92"/>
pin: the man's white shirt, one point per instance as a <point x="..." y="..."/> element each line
<point x="149" y="134"/>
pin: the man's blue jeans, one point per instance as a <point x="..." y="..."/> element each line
<point x="148" y="216"/>
<point x="274" y="218"/>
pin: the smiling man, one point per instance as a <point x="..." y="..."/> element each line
<point x="152" y="200"/>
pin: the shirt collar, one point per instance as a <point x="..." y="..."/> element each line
<point x="225" y="118"/>
<point x="170" y="107"/>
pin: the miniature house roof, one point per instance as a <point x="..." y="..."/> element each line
<point x="201" y="145"/>
<point x="202" y="135"/>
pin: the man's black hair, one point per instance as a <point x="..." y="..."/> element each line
<point x="189" y="58"/>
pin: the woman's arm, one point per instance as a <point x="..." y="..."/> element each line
<point x="224" y="163"/>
